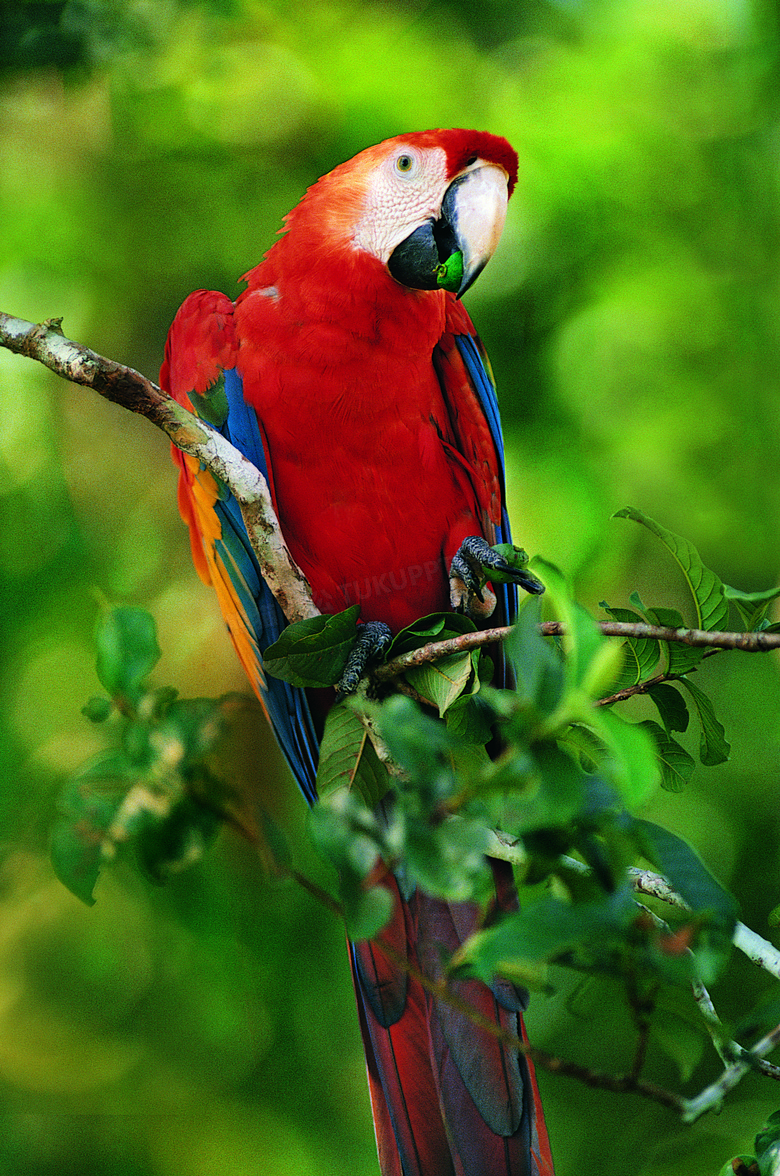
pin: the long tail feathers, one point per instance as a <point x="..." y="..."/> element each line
<point x="448" y="1098"/>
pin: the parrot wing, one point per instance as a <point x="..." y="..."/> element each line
<point x="466" y="378"/>
<point x="200" y="372"/>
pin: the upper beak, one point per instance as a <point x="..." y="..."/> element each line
<point x="450" y="252"/>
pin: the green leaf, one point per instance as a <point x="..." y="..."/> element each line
<point x="434" y="627"/>
<point x="714" y="748"/>
<point x="347" y="757"/>
<point x="176" y="842"/>
<point x="676" y="764"/>
<point x="584" y="644"/>
<point x="761" y="1018"/>
<point x="680" y="658"/>
<point x="98" y="709"/>
<point x="470" y="719"/>
<point x="127" y="651"/>
<point x="422" y="746"/>
<point x="631" y="763"/>
<point x="448" y="859"/>
<point x="707" y="589"/>
<point x="366" y="912"/>
<point x="545" y="930"/>
<point x="678" y="1029"/>
<point x="188" y="731"/>
<point x="678" y="862"/>
<point x="537" y="667"/>
<point x="76" y="855"/>
<point x="313" y="652"/>
<point x="161" y="700"/>
<point x="671" y="707"/>
<point x="640" y="655"/>
<point x="686" y="872"/>
<point x="546" y="788"/>
<point x="348" y="834"/>
<point x="440" y="683"/>
<point x="586" y="745"/>
<point x="88" y="804"/>
<point x="768" y="1137"/>
<point x="752" y="606"/>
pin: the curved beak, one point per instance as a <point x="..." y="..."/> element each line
<point x="451" y="252"/>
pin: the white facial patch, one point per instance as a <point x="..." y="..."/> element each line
<point x="403" y="192"/>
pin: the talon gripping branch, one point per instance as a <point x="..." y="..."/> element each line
<point x="350" y="374"/>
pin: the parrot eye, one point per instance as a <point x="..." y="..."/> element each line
<point x="404" y="164"/>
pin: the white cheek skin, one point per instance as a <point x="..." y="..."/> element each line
<point x="396" y="205"/>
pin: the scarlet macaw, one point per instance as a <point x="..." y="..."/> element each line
<point x="357" y="384"/>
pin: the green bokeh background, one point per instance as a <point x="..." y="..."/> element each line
<point x="149" y="147"/>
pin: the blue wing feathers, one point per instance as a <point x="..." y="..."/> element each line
<point x="486" y="393"/>
<point x="287" y="706"/>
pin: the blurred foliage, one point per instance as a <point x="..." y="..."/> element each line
<point x="631" y="313"/>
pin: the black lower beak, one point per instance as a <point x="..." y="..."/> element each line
<point x="418" y="261"/>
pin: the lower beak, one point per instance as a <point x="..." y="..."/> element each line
<point x="451" y="252"/>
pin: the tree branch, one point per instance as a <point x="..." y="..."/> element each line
<point x="122" y="385"/>
<point x="751" y="642"/>
<point x="712" y="1096"/>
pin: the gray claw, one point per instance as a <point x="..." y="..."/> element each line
<point x="473" y="559"/>
<point x="372" y="640"/>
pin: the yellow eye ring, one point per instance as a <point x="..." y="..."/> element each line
<point x="404" y="164"/>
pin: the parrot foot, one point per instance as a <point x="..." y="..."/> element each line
<point x="474" y="560"/>
<point x="372" y="640"/>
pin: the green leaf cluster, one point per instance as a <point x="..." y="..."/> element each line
<point x="538" y="772"/>
<point x="155" y="791"/>
<point x="434" y="781"/>
<point x="662" y="670"/>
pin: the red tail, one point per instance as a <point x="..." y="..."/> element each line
<point x="448" y="1099"/>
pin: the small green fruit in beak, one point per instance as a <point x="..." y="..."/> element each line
<point x="449" y="274"/>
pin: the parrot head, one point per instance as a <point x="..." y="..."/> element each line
<point x="430" y="206"/>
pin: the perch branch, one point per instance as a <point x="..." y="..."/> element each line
<point x="122" y="385"/>
<point x="751" y="642"/>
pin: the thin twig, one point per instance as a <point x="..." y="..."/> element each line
<point x="757" y="949"/>
<point x="712" y="1096"/>
<point x="750" y="943"/>
<point x="597" y="1079"/>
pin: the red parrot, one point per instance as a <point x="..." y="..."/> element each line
<point x="349" y="372"/>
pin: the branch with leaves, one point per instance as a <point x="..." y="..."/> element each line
<point x="556" y="801"/>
